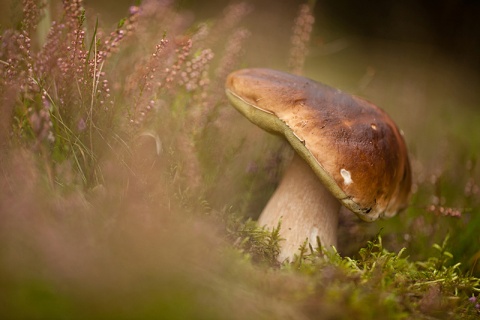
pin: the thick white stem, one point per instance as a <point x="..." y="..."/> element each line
<point x="306" y="207"/>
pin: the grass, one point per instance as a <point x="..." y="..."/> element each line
<point x="129" y="187"/>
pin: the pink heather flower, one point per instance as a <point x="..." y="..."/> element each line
<point x="81" y="125"/>
<point x="133" y="10"/>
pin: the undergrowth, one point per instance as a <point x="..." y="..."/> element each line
<point x="375" y="283"/>
<point x="127" y="180"/>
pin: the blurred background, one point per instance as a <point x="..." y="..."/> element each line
<point x="419" y="60"/>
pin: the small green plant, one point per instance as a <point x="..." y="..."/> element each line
<point x="261" y="244"/>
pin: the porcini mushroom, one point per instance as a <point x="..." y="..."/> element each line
<point x="347" y="151"/>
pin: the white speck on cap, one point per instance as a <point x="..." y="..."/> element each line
<point x="347" y="177"/>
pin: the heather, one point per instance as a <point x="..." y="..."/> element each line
<point x="129" y="187"/>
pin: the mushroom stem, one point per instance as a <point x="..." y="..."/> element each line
<point x="306" y="207"/>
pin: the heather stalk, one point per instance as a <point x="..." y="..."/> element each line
<point x="302" y="31"/>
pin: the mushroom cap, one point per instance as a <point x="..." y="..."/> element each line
<point x="353" y="146"/>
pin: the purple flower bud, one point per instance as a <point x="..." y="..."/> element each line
<point x="252" y="167"/>
<point x="81" y="125"/>
<point x="133" y="10"/>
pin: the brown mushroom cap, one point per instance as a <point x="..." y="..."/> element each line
<point x="353" y="146"/>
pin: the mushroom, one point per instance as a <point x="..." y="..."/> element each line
<point x="347" y="151"/>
